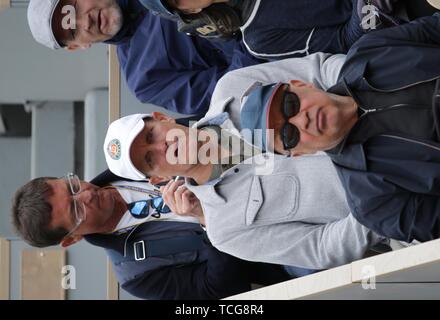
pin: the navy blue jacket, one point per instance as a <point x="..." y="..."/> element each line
<point x="202" y="274"/>
<point x="392" y="179"/>
<point x="170" y="69"/>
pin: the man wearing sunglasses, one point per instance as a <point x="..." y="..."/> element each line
<point x="379" y="125"/>
<point x="156" y="254"/>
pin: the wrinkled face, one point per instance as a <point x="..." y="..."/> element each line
<point x="322" y="119"/>
<point x="80" y="23"/>
<point x="190" y="6"/>
<point x="99" y="204"/>
<point x="164" y="148"/>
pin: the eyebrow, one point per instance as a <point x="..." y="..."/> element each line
<point x="71" y="206"/>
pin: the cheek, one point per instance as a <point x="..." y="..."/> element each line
<point x="312" y="144"/>
<point x="205" y="3"/>
<point x="86" y="5"/>
<point x="191" y="4"/>
<point x="309" y="143"/>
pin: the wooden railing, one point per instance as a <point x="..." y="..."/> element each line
<point x="5" y="256"/>
<point x="410" y="273"/>
<point x="114" y="114"/>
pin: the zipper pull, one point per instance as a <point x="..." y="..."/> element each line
<point x="366" y="111"/>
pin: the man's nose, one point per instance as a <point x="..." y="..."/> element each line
<point x="84" y="21"/>
<point x="301" y="120"/>
<point x="158" y="147"/>
<point x="85" y="196"/>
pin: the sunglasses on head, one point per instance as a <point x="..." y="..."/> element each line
<point x="141" y="209"/>
<point x="290" y="107"/>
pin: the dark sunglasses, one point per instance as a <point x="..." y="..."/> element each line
<point x="141" y="209"/>
<point x="289" y="108"/>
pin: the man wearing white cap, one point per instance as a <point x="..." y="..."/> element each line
<point x="161" y="65"/>
<point x="246" y="210"/>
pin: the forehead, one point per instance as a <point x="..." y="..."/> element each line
<point x="62" y="34"/>
<point x="140" y="138"/>
<point x="147" y="125"/>
<point x="59" y="200"/>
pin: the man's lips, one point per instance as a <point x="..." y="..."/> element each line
<point x="320" y="121"/>
<point x="101" y="21"/>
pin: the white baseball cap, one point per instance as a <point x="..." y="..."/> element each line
<point x="117" y="144"/>
<point x="40" y="14"/>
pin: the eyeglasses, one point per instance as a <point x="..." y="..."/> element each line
<point x="141" y="209"/>
<point x="290" y="107"/>
<point x="79" y="209"/>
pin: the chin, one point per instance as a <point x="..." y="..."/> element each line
<point x="116" y="21"/>
<point x="333" y="144"/>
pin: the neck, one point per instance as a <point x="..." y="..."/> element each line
<point x="119" y="209"/>
<point x="349" y="108"/>
<point x="351" y="111"/>
<point x="201" y="173"/>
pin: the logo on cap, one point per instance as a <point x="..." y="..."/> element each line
<point x="114" y="149"/>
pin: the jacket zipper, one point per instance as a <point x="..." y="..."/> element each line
<point x="401" y="88"/>
<point x="413" y="141"/>
<point x="367" y="111"/>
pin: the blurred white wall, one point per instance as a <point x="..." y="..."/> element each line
<point x="29" y="71"/>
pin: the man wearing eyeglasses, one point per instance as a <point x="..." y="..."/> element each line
<point x="379" y="125"/>
<point x="156" y="254"/>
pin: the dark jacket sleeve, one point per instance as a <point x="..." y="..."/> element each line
<point x="389" y="54"/>
<point x="420" y="31"/>
<point x="175" y="71"/>
<point x="289" y="38"/>
<point x="189" y="91"/>
<point x="399" y="195"/>
<point x="220" y="276"/>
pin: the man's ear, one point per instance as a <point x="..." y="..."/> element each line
<point x="71" y="48"/>
<point x="162" y="117"/>
<point x="191" y="11"/>
<point x="157" y="180"/>
<point x="294" y="153"/>
<point x="75" y="47"/>
<point x="67" y="242"/>
<point x="300" y="84"/>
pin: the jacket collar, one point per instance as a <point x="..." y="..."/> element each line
<point x="216" y="115"/>
<point x="353" y="157"/>
<point x="353" y="74"/>
<point x="215" y="110"/>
